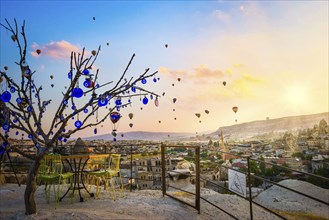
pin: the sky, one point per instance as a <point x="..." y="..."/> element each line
<point x="272" y="55"/>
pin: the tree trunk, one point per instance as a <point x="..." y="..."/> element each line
<point x="31" y="186"/>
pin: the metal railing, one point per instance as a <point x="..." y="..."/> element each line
<point x="251" y="175"/>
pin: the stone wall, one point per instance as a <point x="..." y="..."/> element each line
<point x="10" y="178"/>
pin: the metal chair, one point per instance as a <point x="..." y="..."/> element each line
<point x="51" y="174"/>
<point x="113" y="173"/>
<point x="110" y="175"/>
<point x="95" y="172"/>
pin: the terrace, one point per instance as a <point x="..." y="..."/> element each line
<point x="178" y="202"/>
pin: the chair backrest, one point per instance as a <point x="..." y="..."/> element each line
<point x="51" y="164"/>
<point x="97" y="164"/>
<point x="115" y="162"/>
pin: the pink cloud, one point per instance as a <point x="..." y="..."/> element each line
<point x="199" y="75"/>
<point x="201" y="72"/>
<point x="204" y="72"/>
<point x="173" y="74"/>
<point x="55" y="49"/>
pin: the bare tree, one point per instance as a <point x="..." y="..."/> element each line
<point x="25" y="114"/>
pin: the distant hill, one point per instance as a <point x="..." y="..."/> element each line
<point x="243" y="130"/>
<point x="272" y="125"/>
<point x="143" y="135"/>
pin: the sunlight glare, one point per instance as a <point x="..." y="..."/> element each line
<point x="296" y="95"/>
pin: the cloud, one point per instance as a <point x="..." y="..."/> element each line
<point x="249" y="78"/>
<point x="249" y="8"/>
<point x="201" y="74"/>
<point x="244" y="86"/>
<point x="55" y="49"/>
<point x="173" y="74"/>
<point x="228" y="71"/>
<point x="205" y="72"/>
<point x="222" y="16"/>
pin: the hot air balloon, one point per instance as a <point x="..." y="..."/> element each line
<point x="51" y="76"/>
<point x="206" y="111"/>
<point x="131" y="115"/>
<point x="131" y="125"/>
<point x="224" y="83"/>
<point x="197" y="115"/>
<point x="159" y="121"/>
<point x="173" y="84"/>
<point x="95" y="131"/>
<point x="166" y="45"/>
<point x="122" y="135"/>
<point x="93" y="52"/>
<point x="163" y="93"/>
<point x="107" y="43"/>
<point x="175" y="118"/>
<point x="174" y="100"/>
<point x="6" y="67"/>
<point x="173" y="109"/>
<point x="38" y="51"/>
<point x="235" y="109"/>
<point x="178" y="79"/>
<point x="115" y="116"/>
<point x="94" y="18"/>
<point x="52" y="85"/>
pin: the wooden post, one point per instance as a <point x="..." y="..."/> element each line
<point x="163" y="170"/>
<point x="250" y="194"/>
<point x="197" y="178"/>
<point x="131" y="168"/>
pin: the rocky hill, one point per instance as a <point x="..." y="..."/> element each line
<point x="249" y="129"/>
